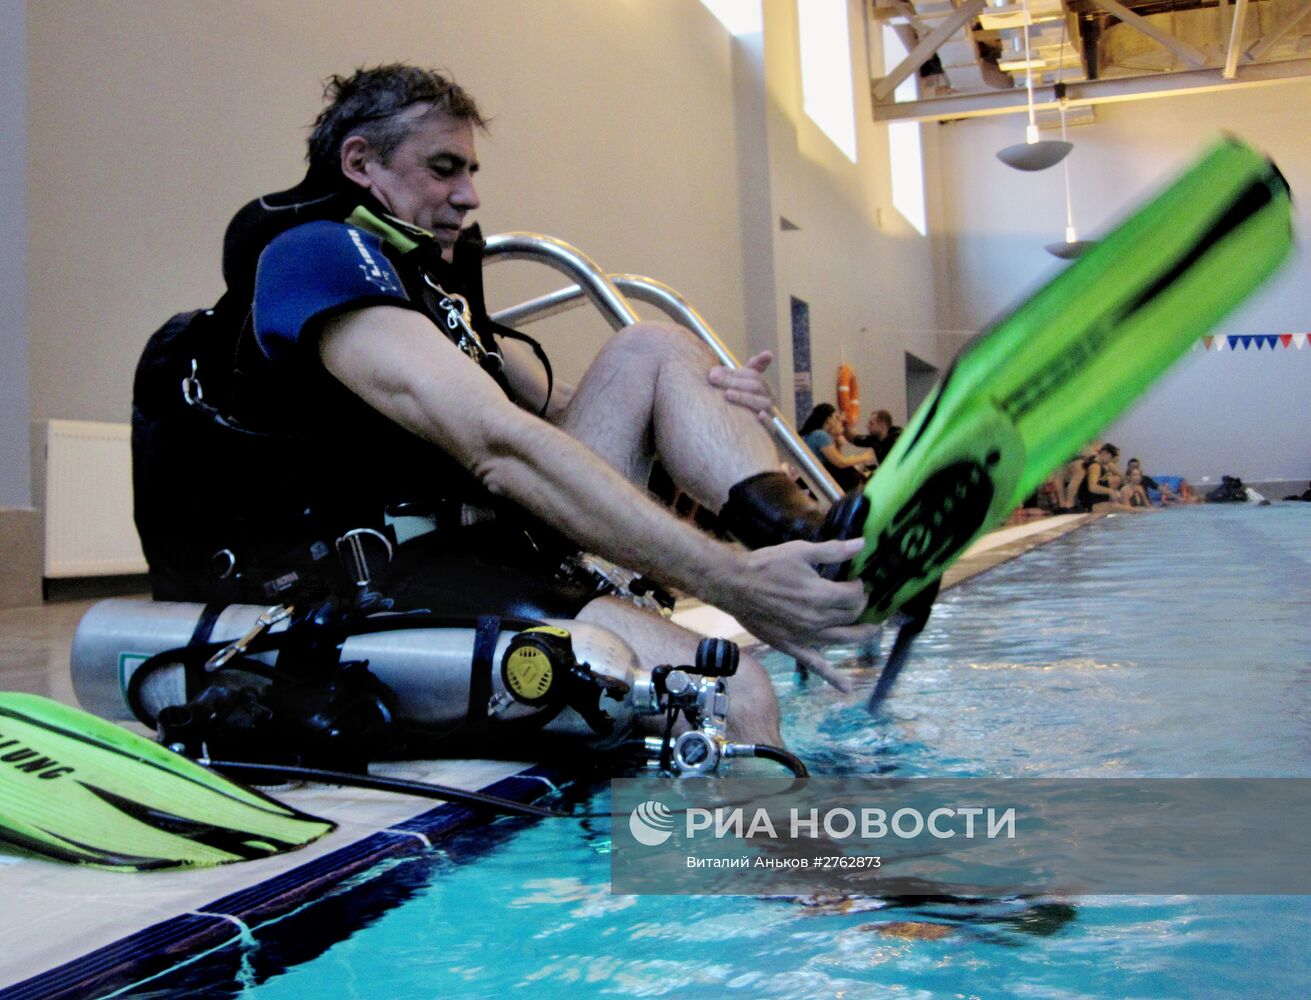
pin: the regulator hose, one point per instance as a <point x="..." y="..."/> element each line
<point x="789" y="760"/>
<point x="421" y="789"/>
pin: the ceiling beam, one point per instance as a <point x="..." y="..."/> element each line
<point x="897" y="8"/>
<point x="1235" y="40"/>
<point x="924" y="51"/>
<point x="1088" y="92"/>
<point x="1193" y="57"/>
<point x="1258" y="51"/>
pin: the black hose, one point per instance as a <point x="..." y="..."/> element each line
<point x="422" y="789"/>
<point x="789" y="760"/>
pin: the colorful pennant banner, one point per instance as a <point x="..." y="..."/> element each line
<point x="1255" y="341"/>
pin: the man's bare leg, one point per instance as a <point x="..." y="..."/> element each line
<point x="752" y="707"/>
<point x="646" y="394"/>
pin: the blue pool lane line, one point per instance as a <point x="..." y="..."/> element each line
<point x="169" y="943"/>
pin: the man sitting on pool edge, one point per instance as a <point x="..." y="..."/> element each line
<point x="367" y="334"/>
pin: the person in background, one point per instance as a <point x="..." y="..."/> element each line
<point x="1133" y="493"/>
<point x="822" y="433"/>
<point x="1149" y="484"/>
<point x="1100" y="491"/>
<point x="1073" y="475"/>
<point x="880" y="434"/>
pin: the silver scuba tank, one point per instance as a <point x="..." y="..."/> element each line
<point x="428" y="669"/>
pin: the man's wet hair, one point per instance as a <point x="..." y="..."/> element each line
<point x="371" y="103"/>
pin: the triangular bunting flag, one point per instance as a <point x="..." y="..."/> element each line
<point x="1299" y="340"/>
<point x="1233" y="342"/>
<point x="1219" y="343"/>
<point x="1207" y="342"/>
<point x="1270" y="340"/>
<point x="1285" y="339"/>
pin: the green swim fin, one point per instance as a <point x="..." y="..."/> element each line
<point x="1045" y="380"/>
<point x="77" y="788"/>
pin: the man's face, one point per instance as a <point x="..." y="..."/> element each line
<point x="429" y="180"/>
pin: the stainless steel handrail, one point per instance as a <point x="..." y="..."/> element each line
<point x="569" y="260"/>
<point x="607" y="293"/>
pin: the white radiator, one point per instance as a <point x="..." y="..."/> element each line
<point x="84" y="470"/>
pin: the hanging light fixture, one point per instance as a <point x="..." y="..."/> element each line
<point x="1033" y="153"/>
<point x="1073" y="246"/>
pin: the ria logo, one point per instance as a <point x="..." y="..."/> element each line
<point x="651" y="823"/>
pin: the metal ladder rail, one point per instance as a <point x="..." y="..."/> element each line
<point x="607" y="293"/>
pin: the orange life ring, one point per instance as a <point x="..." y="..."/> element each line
<point x="848" y="395"/>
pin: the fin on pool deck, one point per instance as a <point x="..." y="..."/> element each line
<point x="72" y="931"/>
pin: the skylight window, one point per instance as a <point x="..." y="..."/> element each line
<point x="740" y="17"/>
<point x="826" y="84"/>
<point x="904" y="145"/>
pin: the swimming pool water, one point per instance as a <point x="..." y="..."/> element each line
<point x="1169" y="644"/>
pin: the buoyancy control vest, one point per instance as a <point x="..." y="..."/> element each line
<point x="250" y="488"/>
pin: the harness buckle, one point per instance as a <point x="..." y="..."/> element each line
<point x="459" y="320"/>
<point x="192" y="391"/>
<point x="269" y="618"/>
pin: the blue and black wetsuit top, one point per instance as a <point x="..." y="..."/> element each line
<point x="250" y="507"/>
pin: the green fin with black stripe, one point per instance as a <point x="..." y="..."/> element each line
<point x="1043" y="381"/>
<point x="76" y="788"/>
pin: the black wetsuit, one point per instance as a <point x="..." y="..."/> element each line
<point x="879" y="445"/>
<point x="1086" y="496"/>
<point x="324" y="463"/>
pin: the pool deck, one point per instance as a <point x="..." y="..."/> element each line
<point x="74" y="932"/>
<point x="991" y="550"/>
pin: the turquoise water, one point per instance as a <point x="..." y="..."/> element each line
<point x="1173" y="644"/>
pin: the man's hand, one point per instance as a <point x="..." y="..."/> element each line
<point x="785" y="603"/>
<point x="746" y="386"/>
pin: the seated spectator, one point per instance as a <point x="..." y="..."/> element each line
<point x="1073" y="475"/>
<point x="1175" y="490"/>
<point x="1133" y="492"/>
<point x="1102" y="481"/>
<point x="1149" y="484"/>
<point x="1043" y="502"/>
<point x="822" y="432"/>
<point x="881" y="434"/>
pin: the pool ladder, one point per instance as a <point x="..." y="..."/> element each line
<point x="607" y="292"/>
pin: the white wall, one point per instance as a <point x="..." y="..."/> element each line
<point x="1243" y="414"/>
<point x="867" y="275"/>
<point x="15" y="478"/>
<point x="153" y="121"/>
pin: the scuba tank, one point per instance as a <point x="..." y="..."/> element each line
<point x="327" y="688"/>
<point x="564" y="680"/>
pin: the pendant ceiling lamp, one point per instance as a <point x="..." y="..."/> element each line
<point x="1033" y="153"/>
<point x="1072" y="246"/>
